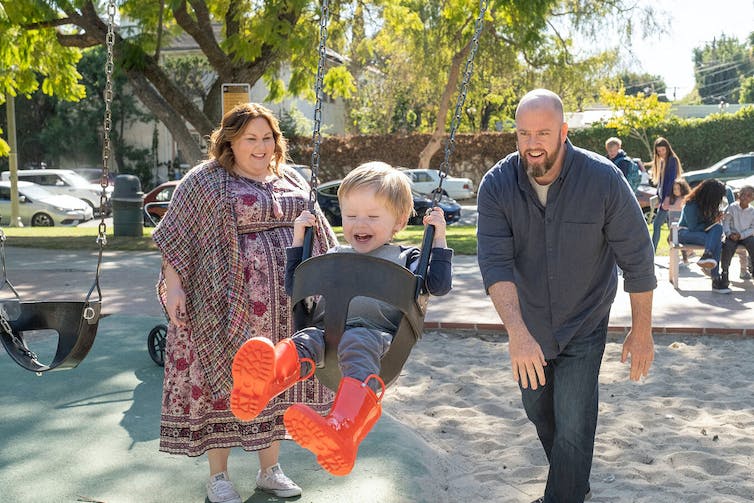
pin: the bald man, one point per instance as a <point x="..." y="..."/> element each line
<point x="554" y="220"/>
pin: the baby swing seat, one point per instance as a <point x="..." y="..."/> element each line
<point x="341" y="277"/>
<point x="75" y="322"/>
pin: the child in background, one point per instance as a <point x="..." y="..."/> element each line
<point x="376" y="202"/>
<point x="677" y="199"/>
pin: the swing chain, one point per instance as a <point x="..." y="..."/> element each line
<point x="5" y="325"/>
<point x="107" y="126"/>
<point x="468" y="70"/>
<point x="316" y="135"/>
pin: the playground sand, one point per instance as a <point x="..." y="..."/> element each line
<point x="683" y="434"/>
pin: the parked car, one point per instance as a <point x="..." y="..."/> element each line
<point x="64" y="182"/>
<point x="731" y="168"/>
<point x="94" y="175"/>
<point x="156" y="202"/>
<point x="40" y="208"/>
<point x="327" y="197"/>
<point x="427" y="180"/>
<point x="736" y="185"/>
<point x="303" y="170"/>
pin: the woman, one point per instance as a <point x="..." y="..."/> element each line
<point x="223" y="243"/>
<point x="700" y="224"/>
<point x="666" y="168"/>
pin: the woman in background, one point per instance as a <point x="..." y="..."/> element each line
<point x="666" y="169"/>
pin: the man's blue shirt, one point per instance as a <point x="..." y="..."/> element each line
<point x="562" y="257"/>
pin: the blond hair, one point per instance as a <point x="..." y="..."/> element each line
<point x="233" y="124"/>
<point x="388" y="183"/>
<point x="613" y="141"/>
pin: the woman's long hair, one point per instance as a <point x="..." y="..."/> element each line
<point x="658" y="163"/>
<point x="708" y="195"/>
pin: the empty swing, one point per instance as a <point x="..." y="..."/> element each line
<point x="74" y="321"/>
<point x="338" y="278"/>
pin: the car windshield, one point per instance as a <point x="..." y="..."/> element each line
<point x="35" y="192"/>
<point x="75" y="180"/>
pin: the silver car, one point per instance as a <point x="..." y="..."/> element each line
<point x="40" y="208"/>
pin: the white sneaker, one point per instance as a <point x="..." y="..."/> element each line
<point x="274" y="481"/>
<point x="220" y="489"/>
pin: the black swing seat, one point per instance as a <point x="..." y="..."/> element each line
<point x="339" y="277"/>
<point x="75" y="322"/>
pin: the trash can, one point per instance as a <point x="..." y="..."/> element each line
<point x="128" y="206"/>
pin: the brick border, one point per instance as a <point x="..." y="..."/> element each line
<point x="499" y="327"/>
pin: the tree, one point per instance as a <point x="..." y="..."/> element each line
<point x="635" y="83"/>
<point x="27" y="65"/>
<point x="634" y="115"/>
<point x="719" y="66"/>
<point x="422" y="45"/>
<point x="241" y="41"/>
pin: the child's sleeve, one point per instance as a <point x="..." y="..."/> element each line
<point x="293" y="257"/>
<point x="439" y="279"/>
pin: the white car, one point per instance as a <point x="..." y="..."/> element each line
<point x="38" y="207"/>
<point x="427" y="180"/>
<point x="64" y="182"/>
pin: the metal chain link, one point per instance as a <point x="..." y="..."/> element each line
<point x="107" y="126"/>
<point x="468" y="70"/>
<point x="316" y="135"/>
<point x="5" y="325"/>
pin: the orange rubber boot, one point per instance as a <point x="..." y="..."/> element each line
<point x="261" y="372"/>
<point x="335" y="439"/>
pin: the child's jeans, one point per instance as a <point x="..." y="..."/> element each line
<point x="359" y="352"/>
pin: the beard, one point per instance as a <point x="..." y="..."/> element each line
<point x="543" y="165"/>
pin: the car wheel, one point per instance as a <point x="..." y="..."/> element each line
<point x="42" y="220"/>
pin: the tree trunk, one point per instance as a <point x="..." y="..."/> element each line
<point x="187" y="144"/>
<point x="435" y="141"/>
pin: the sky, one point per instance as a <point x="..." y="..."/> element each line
<point x="692" y="23"/>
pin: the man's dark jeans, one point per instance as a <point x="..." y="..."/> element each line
<point x="565" y="414"/>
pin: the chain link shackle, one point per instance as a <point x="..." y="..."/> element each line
<point x="468" y="70"/>
<point x="318" y="84"/>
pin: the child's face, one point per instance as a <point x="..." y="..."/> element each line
<point x="368" y="223"/>
<point x="676" y="190"/>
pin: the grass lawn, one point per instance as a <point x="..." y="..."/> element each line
<point x="462" y="238"/>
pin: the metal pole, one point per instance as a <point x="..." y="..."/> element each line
<point x="15" y="219"/>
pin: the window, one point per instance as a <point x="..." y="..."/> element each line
<point x="422" y="177"/>
<point x="165" y="195"/>
<point x="737" y="166"/>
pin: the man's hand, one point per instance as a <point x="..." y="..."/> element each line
<point x="527" y="360"/>
<point x="642" y="351"/>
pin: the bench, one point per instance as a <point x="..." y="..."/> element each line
<point x="675" y="254"/>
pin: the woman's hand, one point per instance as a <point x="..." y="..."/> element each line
<point x="176" y="306"/>
<point x="304" y="220"/>
<point x="175" y="303"/>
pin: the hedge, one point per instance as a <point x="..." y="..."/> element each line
<point x="698" y="142"/>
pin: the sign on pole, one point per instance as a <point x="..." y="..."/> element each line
<point x="235" y="94"/>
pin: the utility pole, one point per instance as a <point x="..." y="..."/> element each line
<point x="10" y="103"/>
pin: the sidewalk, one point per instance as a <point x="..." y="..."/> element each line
<point x="90" y="434"/>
